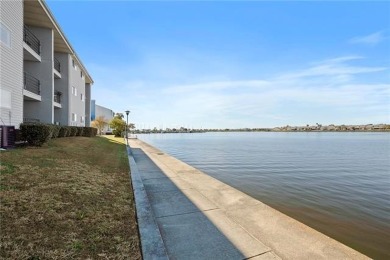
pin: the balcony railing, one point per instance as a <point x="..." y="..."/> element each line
<point x="57" y="65"/>
<point x="32" y="84"/>
<point x="30" y="120"/>
<point x="31" y="40"/>
<point x="57" y="97"/>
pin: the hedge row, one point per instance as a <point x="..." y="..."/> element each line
<point x="37" y="134"/>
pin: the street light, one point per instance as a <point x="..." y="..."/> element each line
<point x="127" y="125"/>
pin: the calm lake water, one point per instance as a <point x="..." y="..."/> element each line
<point x="337" y="183"/>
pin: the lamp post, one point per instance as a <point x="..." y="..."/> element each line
<point x="127" y="125"/>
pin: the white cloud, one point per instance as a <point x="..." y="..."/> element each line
<point x="371" y="39"/>
<point x="335" y="67"/>
<point x="219" y="85"/>
<point x="342" y="59"/>
<point x="334" y="90"/>
<point x="327" y="86"/>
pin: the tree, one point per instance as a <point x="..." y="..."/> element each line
<point x="118" y="124"/>
<point x="119" y="115"/>
<point x="100" y="122"/>
<point x="130" y="127"/>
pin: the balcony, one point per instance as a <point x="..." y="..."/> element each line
<point x="32" y="45"/>
<point x="57" y="68"/>
<point x="32" y="87"/>
<point x="30" y="120"/>
<point x="31" y="40"/>
<point x="57" y="99"/>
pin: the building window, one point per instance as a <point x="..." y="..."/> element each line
<point x="5" y="35"/>
<point x="74" y="64"/>
<point x="74" y="117"/>
<point x="81" y="119"/>
<point x="74" y="91"/>
<point x="81" y="74"/>
<point x="5" y="98"/>
<point x="82" y="97"/>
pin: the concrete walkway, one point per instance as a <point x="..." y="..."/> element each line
<point x="185" y="214"/>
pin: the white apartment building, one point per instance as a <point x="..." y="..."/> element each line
<point x="41" y="77"/>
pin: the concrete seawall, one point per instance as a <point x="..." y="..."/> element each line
<point x="199" y="217"/>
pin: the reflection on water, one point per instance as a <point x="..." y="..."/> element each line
<point x="337" y="183"/>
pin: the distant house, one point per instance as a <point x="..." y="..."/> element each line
<point x="379" y="127"/>
<point x="369" y="127"/>
<point x="289" y="128"/>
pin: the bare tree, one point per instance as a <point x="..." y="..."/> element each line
<point x="99" y="123"/>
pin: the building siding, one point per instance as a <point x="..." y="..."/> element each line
<point x="61" y="115"/>
<point x="11" y="65"/>
<point x="76" y="105"/>
<point x="43" y="110"/>
<point x="88" y="104"/>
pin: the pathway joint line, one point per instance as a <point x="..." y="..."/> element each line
<point x="257" y="255"/>
<point x="191" y="212"/>
<point x="180" y="214"/>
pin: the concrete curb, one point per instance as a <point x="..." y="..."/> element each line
<point x="152" y="244"/>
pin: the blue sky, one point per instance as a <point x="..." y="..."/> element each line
<point x="233" y="64"/>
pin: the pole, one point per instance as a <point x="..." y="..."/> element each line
<point x="127" y="125"/>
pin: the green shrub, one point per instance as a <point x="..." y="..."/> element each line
<point x="18" y="135"/>
<point x="69" y="132"/>
<point x="63" y="131"/>
<point x="118" y="125"/>
<point x="90" y="131"/>
<point x="73" y="130"/>
<point x="117" y="133"/>
<point x="77" y="130"/>
<point x="80" y="130"/>
<point x="36" y="134"/>
<point x="87" y="132"/>
<point x="55" y="131"/>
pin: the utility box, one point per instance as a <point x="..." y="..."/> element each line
<point x="7" y="135"/>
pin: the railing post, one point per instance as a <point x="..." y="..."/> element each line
<point x="25" y="80"/>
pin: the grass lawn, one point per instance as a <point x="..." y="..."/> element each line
<point x="70" y="199"/>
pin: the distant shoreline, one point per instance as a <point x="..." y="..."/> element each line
<point x="306" y="129"/>
<point x="248" y="131"/>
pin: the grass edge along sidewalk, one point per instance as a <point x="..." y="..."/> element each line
<point x="70" y="199"/>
